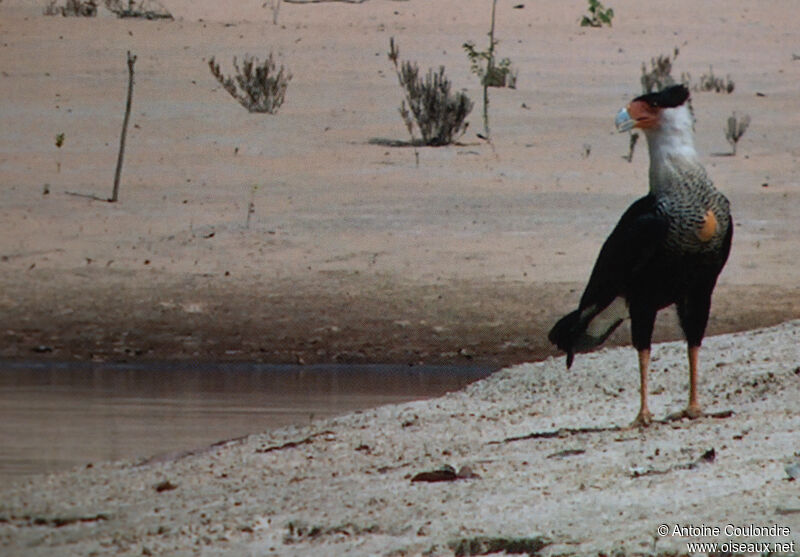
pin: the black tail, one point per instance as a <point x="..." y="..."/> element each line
<point x="571" y="336"/>
<point x="564" y="333"/>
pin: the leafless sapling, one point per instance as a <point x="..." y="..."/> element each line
<point x="117" y="174"/>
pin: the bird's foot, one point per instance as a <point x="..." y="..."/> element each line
<point x="691" y="412"/>
<point x="643" y="419"/>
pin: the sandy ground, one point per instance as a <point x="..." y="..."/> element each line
<point x="356" y="254"/>
<point x="553" y="470"/>
<point x="353" y="253"/>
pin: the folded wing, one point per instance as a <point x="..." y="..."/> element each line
<point x="631" y="248"/>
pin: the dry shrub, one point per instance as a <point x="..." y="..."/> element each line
<point x="660" y="74"/>
<point x="439" y="113"/>
<point x="256" y="85"/>
<point x="710" y="82"/>
<point x="147" y="9"/>
<point x="735" y="129"/>
<point x="81" y="8"/>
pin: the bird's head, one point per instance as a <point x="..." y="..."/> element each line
<point x="656" y="111"/>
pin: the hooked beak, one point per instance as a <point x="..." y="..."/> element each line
<point x="623" y="121"/>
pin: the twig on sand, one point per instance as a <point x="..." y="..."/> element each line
<point x="178" y="455"/>
<point x="706" y="458"/>
<point x="563" y="432"/>
<point x="293" y="444"/>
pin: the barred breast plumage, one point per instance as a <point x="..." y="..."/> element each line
<point x="698" y="214"/>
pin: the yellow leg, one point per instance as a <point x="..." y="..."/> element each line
<point x="644" y="418"/>
<point x="692" y="410"/>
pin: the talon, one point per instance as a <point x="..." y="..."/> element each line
<point x="694" y="412"/>
<point x="643" y="419"/>
<point x="691" y="412"/>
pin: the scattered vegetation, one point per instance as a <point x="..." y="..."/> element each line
<point x="490" y="72"/>
<point x="735" y="130"/>
<point x="710" y="82"/>
<point x="656" y="78"/>
<point x="598" y="15"/>
<point x="660" y="74"/>
<point x="439" y="113"/>
<point x="82" y="8"/>
<point x="147" y="9"/>
<point x="634" y="137"/>
<point x="256" y="85"/>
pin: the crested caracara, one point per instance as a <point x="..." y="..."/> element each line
<point x="668" y="248"/>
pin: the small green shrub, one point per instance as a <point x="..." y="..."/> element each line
<point x="491" y="73"/>
<point x="256" y="85"/>
<point x="439" y="113"/>
<point x="598" y="15"/>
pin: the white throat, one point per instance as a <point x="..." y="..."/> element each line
<point x="671" y="146"/>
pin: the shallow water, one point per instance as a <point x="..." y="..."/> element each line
<point x="55" y="416"/>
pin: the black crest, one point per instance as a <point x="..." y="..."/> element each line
<point x="670" y="97"/>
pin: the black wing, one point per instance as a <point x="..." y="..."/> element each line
<point x="639" y="234"/>
<point x="633" y="243"/>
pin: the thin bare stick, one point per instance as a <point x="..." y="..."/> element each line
<point x="489" y="73"/>
<point x="115" y="193"/>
